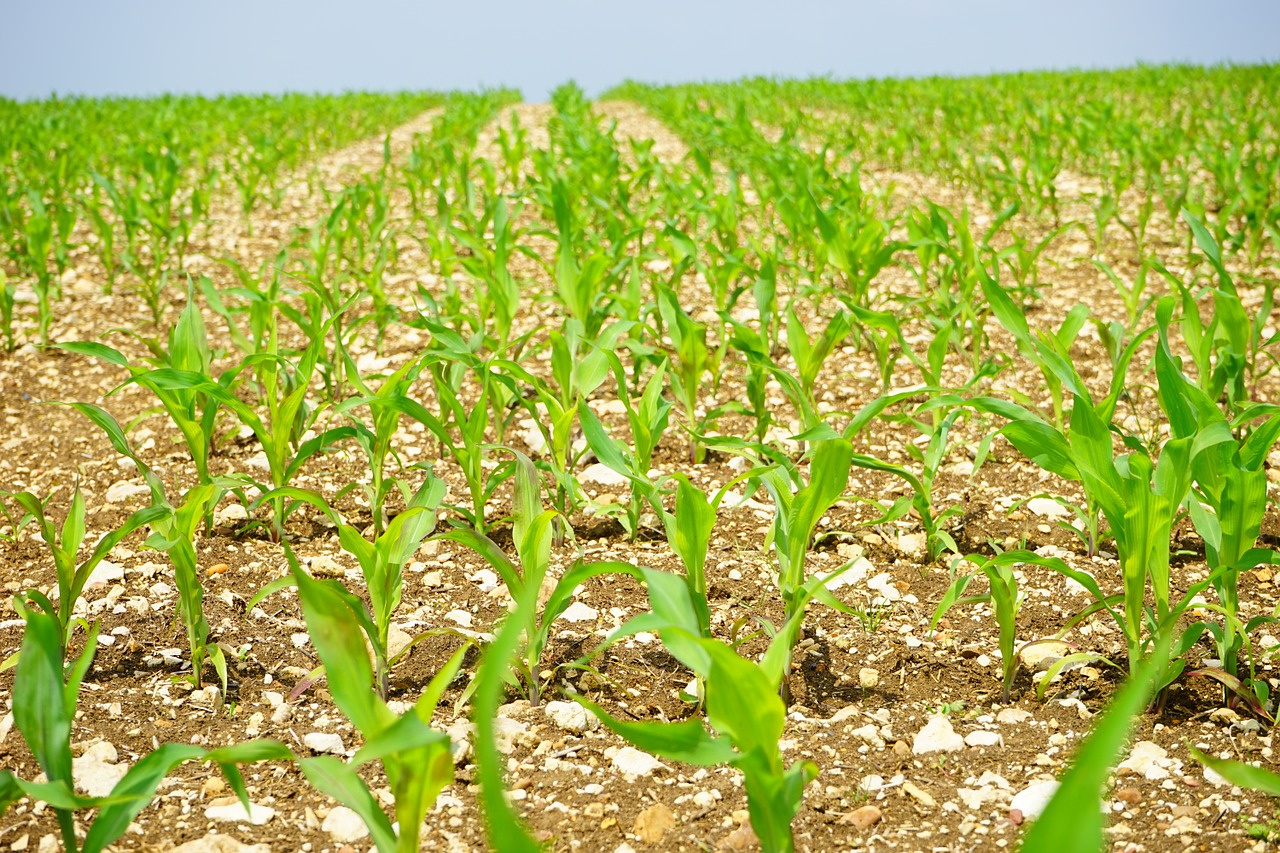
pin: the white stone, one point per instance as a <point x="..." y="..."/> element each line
<point x="871" y="734"/>
<point x="1047" y="508"/>
<point x="485" y="579"/>
<point x="344" y="825"/>
<point x="1031" y="800"/>
<point x="984" y="739"/>
<point x="1012" y="716"/>
<point x="226" y="515"/>
<point x="571" y="716"/>
<point x="579" y="612"/>
<point x="855" y="574"/>
<point x="975" y="799"/>
<point x="1041" y="656"/>
<point x="1150" y="760"/>
<point x="633" y="762"/>
<point x="215" y="843"/>
<point x="118" y="493"/>
<point x="936" y="736"/>
<point x="96" y="771"/>
<point x="258" y="461"/>
<point x="257" y="814"/>
<point x="104" y="573"/>
<point x="911" y="544"/>
<point x="462" y="617"/>
<point x="883" y="584"/>
<point x="602" y="475"/>
<point x="324" y="742"/>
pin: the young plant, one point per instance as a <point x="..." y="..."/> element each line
<point x="742" y="703"/>
<point x="532" y="532"/>
<point x="381" y="563"/>
<point x="800" y="506"/>
<point x="416" y="758"/>
<point x="690" y="361"/>
<point x="1003" y="596"/>
<point x="45" y="695"/>
<point x="64" y="546"/>
<point x="648" y="417"/>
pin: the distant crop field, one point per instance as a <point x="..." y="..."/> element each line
<point x="781" y="465"/>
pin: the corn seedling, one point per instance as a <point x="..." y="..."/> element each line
<point x="44" y="710"/>
<point x="416" y="758"/>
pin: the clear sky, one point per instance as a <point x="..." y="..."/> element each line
<point x="141" y="47"/>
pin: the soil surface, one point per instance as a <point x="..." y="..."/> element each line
<point x="864" y="685"/>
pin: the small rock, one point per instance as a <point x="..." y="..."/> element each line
<point x="742" y="838"/>
<point x="462" y="617"/>
<point x="258" y="461"/>
<point x="1046" y="508"/>
<point x="579" y="612"/>
<point x="118" y="493"/>
<point x="869" y="733"/>
<point x="1013" y="716"/>
<point x="1040" y="656"/>
<point x="571" y="716"/>
<point x="936" y="736"/>
<point x="883" y="584"/>
<point x="632" y="761"/>
<point x="1150" y="760"/>
<point x="984" y="739"/>
<point x="653" y="823"/>
<point x="1132" y="796"/>
<point x="911" y="544"/>
<point x="21" y="843"/>
<point x="602" y="475"/>
<point x="215" y="843"/>
<point x="104" y="573"/>
<point x="344" y="825"/>
<point x="862" y="818"/>
<point x="868" y="678"/>
<point x="96" y="771"/>
<point x="235" y="811"/>
<point x="227" y="515"/>
<point x="919" y="794"/>
<point x="1031" y="800"/>
<point x="324" y="742"/>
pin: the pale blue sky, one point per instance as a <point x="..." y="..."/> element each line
<point x="140" y="47"/>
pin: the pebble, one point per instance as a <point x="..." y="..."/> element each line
<point x="324" y="742"/>
<point x="862" y="818"/>
<point x="579" y="612"/>
<point x="602" y="475"/>
<point x="104" y="573"/>
<point x="1132" y="796"/>
<point x="653" y="823"/>
<point x="633" y="762"/>
<point x="984" y="739"/>
<point x="1031" y="800"/>
<point x="96" y="771"/>
<point x="919" y="794"/>
<point x="868" y="678"/>
<point x="571" y="716"/>
<point x="1012" y="716"/>
<point x="122" y="491"/>
<point x="936" y="736"/>
<point x="1047" y="508"/>
<point x="257" y="814"/>
<point x="216" y="843"/>
<point x="344" y="825"/>
<point x="227" y="515"/>
<point x="1150" y="760"/>
<point x="462" y="617"/>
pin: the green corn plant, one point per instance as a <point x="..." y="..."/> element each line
<point x="648" y="417"/>
<point x="810" y="355"/>
<point x="174" y="533"/>
<point x="691" y="361"/>
<point x="381" y="563"/>
<point x="742" y="703"/>
<point x="1134" y="294"/>
<point x="64" y="546"/>
<point x="6" y="312"/>
<point x="374" y="438"/>
<point x="1072" y="821"/>
<point x="193" y="412"/>
<point x="933" y="523"/>
<point x="497" y="292"/>
<point x="1003" y="596"/>
<point x="39" y="238"/>
<point x="416" y="758"/>
<point x="284" y="387"/>
<point x="1229" y="495"/>
<point x="800" y="506"/>
<point x="532" y="532"/>
<point x="45" y="696"/>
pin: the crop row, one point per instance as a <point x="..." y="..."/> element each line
<point x="711" y="297"/>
